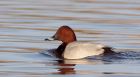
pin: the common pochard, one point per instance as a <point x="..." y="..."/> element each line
<point x="72" y="49"/>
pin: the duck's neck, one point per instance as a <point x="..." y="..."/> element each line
<point x="61" y="49"/>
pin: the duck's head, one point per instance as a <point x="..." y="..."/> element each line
<point x="64" y="34"/>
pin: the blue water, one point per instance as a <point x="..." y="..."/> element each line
<point x="24" y="24"/>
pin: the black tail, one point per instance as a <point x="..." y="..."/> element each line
<point x="108" y="50"/>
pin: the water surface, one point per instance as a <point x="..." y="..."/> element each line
<point x="24" y="24"/>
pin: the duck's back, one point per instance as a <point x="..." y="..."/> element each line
<point x="78" y="50"/>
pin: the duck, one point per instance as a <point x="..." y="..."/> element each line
<point x="73" y="49"/>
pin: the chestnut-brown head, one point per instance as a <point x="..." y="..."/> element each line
<point x="64" y="34"/>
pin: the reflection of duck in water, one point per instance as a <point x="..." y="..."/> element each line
<point x="65" y="68"/>
<point x="71" y="49"/>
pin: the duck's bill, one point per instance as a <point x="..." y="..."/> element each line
<point x="50" y="38"/>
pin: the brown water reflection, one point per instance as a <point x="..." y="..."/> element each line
<point x="25" y="23"/>
<point x="65" y="68"/>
